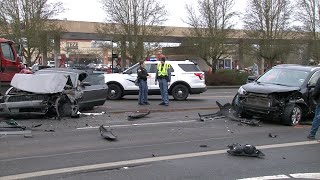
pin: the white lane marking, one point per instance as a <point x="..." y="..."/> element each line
<point x="141" y="124"/>
<point x="306" y="175"/>
<point x="139" y="161"/>
<point x="282" y="176"/>
<point x="298" y="176"/>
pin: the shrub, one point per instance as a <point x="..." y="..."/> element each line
<point x="226" y="77"/>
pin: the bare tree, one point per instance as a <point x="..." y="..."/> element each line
<point x="27" y="22"/>
<point x="135" y="22"/>
<point x="269" y="23"/>
<point x="308" y="13"/>
<point x="210" y="23"/>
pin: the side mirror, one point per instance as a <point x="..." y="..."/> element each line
<point x="84" y="84"/>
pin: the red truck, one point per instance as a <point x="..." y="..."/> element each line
<point x="9" y="61"/>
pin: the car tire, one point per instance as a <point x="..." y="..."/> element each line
<point x="180" y="92"/>
<point x="114" y="92"/>
<point x="64" y="108"/>
<point x="238" y="109"/>
<point x="292" y="115"/>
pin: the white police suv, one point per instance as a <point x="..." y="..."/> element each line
<point x="186" y="78"/>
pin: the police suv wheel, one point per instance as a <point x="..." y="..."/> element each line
<point x="114" y="92"/>
<point x="180" y="92"/>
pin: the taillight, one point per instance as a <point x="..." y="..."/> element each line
<point x="200" y="75"/>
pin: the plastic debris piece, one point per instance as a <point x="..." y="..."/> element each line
<point x="244" y="150"/>
<point x="272" y="136"/>
<point x="138" y="115"/>
<point x="107" y="134"/>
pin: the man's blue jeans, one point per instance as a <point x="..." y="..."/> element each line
<point x="143" y="91"/>
<point x="163" y="84"/>
<point x="315" y="122"/>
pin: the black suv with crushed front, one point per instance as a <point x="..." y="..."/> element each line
<point x="283" y="93"/>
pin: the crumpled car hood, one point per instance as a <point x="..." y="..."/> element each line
<point x="264" y="88"/>
<point x="40" y="83"/>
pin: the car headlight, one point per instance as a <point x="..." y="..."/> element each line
<point x="241" y="91"/>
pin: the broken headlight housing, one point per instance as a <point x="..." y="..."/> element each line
<point x="241" y="91"/>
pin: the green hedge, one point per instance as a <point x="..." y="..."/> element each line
<point x="226" y="77"/>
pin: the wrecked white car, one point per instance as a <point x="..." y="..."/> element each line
<point x="53" y="92"/>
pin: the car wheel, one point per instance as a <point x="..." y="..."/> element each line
<point x="292" y="115"/>
<point x="64" y="108"/>
<point x="237" y="108"/>
<point x="114" y="92"/>
<point x="180" y="92"/>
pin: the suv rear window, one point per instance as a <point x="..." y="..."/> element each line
<point x="189" y="67"/>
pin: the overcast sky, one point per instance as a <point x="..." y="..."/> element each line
<point x="85" y="10"/>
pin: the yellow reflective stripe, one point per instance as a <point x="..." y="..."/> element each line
<point x="164" y="71"/>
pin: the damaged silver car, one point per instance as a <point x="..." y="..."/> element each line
<point x="53" y="92"/>
<point x="282" y="94"/>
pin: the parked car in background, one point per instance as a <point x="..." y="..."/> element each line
<point x="283" y="93"/>
<point x="51" y="63"/>
<point x="54" y="91"/>
<point x="186" y="78"/>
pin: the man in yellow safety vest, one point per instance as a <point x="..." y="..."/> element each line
<point x="163" y="76"/>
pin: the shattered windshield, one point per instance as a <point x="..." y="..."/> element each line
<point x="284" y="77"/>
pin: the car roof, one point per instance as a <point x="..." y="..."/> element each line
<point x="297" y="67"/>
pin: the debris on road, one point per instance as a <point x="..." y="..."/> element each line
<point x="49" y="130"/>
<point x="203" y="146"/>
<point x="11" y="127"/>
<point x="92" y="114"/>
<point x="138" y="115"/>
<point x="272" y="136"/>
<point x="107" y="134"/>
<point x="226" y="111"/>
<point x="237" y="149"/>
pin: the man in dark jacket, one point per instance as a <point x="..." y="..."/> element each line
<point x="143" y="85"/>
<point x="316" y="119"/>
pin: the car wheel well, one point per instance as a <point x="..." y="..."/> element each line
<point x="117" y="83"/>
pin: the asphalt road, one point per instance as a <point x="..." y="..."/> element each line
<point x="170" y="143"/>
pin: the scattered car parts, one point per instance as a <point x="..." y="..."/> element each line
<point x="237" y="149"/>
<point x="227" y="111"/>
<point x="107" y="134"/>
<point x="138" y="115"/>
<point x="11" y="127"/>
